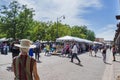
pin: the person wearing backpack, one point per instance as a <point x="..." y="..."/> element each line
<point x="37" y="50"/>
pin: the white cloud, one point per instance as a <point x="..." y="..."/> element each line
<point x="107" y="32"/>
<point x="47" y="10"/>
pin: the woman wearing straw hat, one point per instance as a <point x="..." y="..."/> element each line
<point x="25" y="67"/>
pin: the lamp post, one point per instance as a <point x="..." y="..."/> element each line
<point x="58" y="18"/>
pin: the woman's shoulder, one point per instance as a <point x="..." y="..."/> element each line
<point x="32" y="59"/>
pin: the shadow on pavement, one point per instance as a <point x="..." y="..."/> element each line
<point x="79" y="64"/>
<point x="108" y="63"/>
<point x="39" y="61"/>
<point x="9" y="68"/>
<point x="97" y="56"/>
<point x="117" y="61"/>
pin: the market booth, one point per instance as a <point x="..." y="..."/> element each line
<point x="70" y="39"/>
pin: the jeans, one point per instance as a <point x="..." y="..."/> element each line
<point x="75" y="55"/>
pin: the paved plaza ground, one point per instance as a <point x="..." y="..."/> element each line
<point x="55" y="67"/>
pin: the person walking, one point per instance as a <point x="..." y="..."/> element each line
<point x="95" y="49"/>
<point x="31" y="52"/>
<point x="74" y="53"/>
<point x="104" y="54"/>
<point x="25" y="67"/>
<point x="67" y="49"/>
<point x="47" y="47"/>
<point x="37" y="50"/>
<point x="5" y="48"/>
<point x="14" y="49"/>
<point x="114" y="50"/>
<point x="90" y="50"/>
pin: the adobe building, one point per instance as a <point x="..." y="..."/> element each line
<point x="106" y="42"/>
<point x="117" y="34"/>
<point x="100" y="40"/>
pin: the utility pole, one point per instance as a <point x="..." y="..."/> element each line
<point x="58" y="18"/>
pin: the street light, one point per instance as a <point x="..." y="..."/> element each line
<point x="58" y="18"/>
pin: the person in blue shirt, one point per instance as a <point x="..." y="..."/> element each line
<point x="31" y="52"/>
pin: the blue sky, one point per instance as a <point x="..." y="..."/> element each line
<point x="97" y="15"/>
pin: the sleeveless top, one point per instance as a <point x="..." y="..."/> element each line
<point x="114" y="50"/>
<point x="23" y="67"/>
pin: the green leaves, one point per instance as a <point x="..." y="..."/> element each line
<point x="16" y="21"/>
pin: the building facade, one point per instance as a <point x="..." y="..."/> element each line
<point x="99" y="40"/>
<point x="117" y="34"/>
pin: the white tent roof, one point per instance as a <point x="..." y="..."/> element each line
<point x="3" y="39"/>
<point x="70" y="38"/>
<point x="88" y="41"/>
<point x="65" y="38"/>
<point x="97" y="42"/>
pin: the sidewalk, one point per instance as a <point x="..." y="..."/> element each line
<point x="112" y="71"/>
<point x="109" y="72"/>
<point x="54" y="67"/>
<point x="60" y="68"/>
<point x="116" y="67"/>
<point x="5" y="59"/>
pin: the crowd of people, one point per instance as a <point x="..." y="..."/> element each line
<point x="92" y="49"/>
<point x="24" y="50"/>
<point x="48" y="48"/>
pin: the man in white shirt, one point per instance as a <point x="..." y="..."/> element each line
<point x="74" y="53"/>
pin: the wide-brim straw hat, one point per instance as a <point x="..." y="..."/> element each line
<point x="25" y="43"/>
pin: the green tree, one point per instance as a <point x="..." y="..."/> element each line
<point x="1" y="32"/>
<point x="16" y="20"/>
<point x="78" y="31"/>
<point x="25" y="20"/>
<point x="90" y="35"/>
<point x="64" y="30"/>
<point x="9" y="19"/>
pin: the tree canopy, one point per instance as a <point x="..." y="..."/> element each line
<point x="16" y="21"/>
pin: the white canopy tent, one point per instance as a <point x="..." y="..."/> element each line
<point x="70" y="38"/>
<point x="65" y="38"/>
<point x="97" y="42"/>
<point x="88" y="41"/>
<point x="3" y="39"/>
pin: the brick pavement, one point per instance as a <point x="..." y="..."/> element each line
<point x="108" y="72"/>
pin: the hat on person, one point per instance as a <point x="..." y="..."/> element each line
<point x="25" y="43"/>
